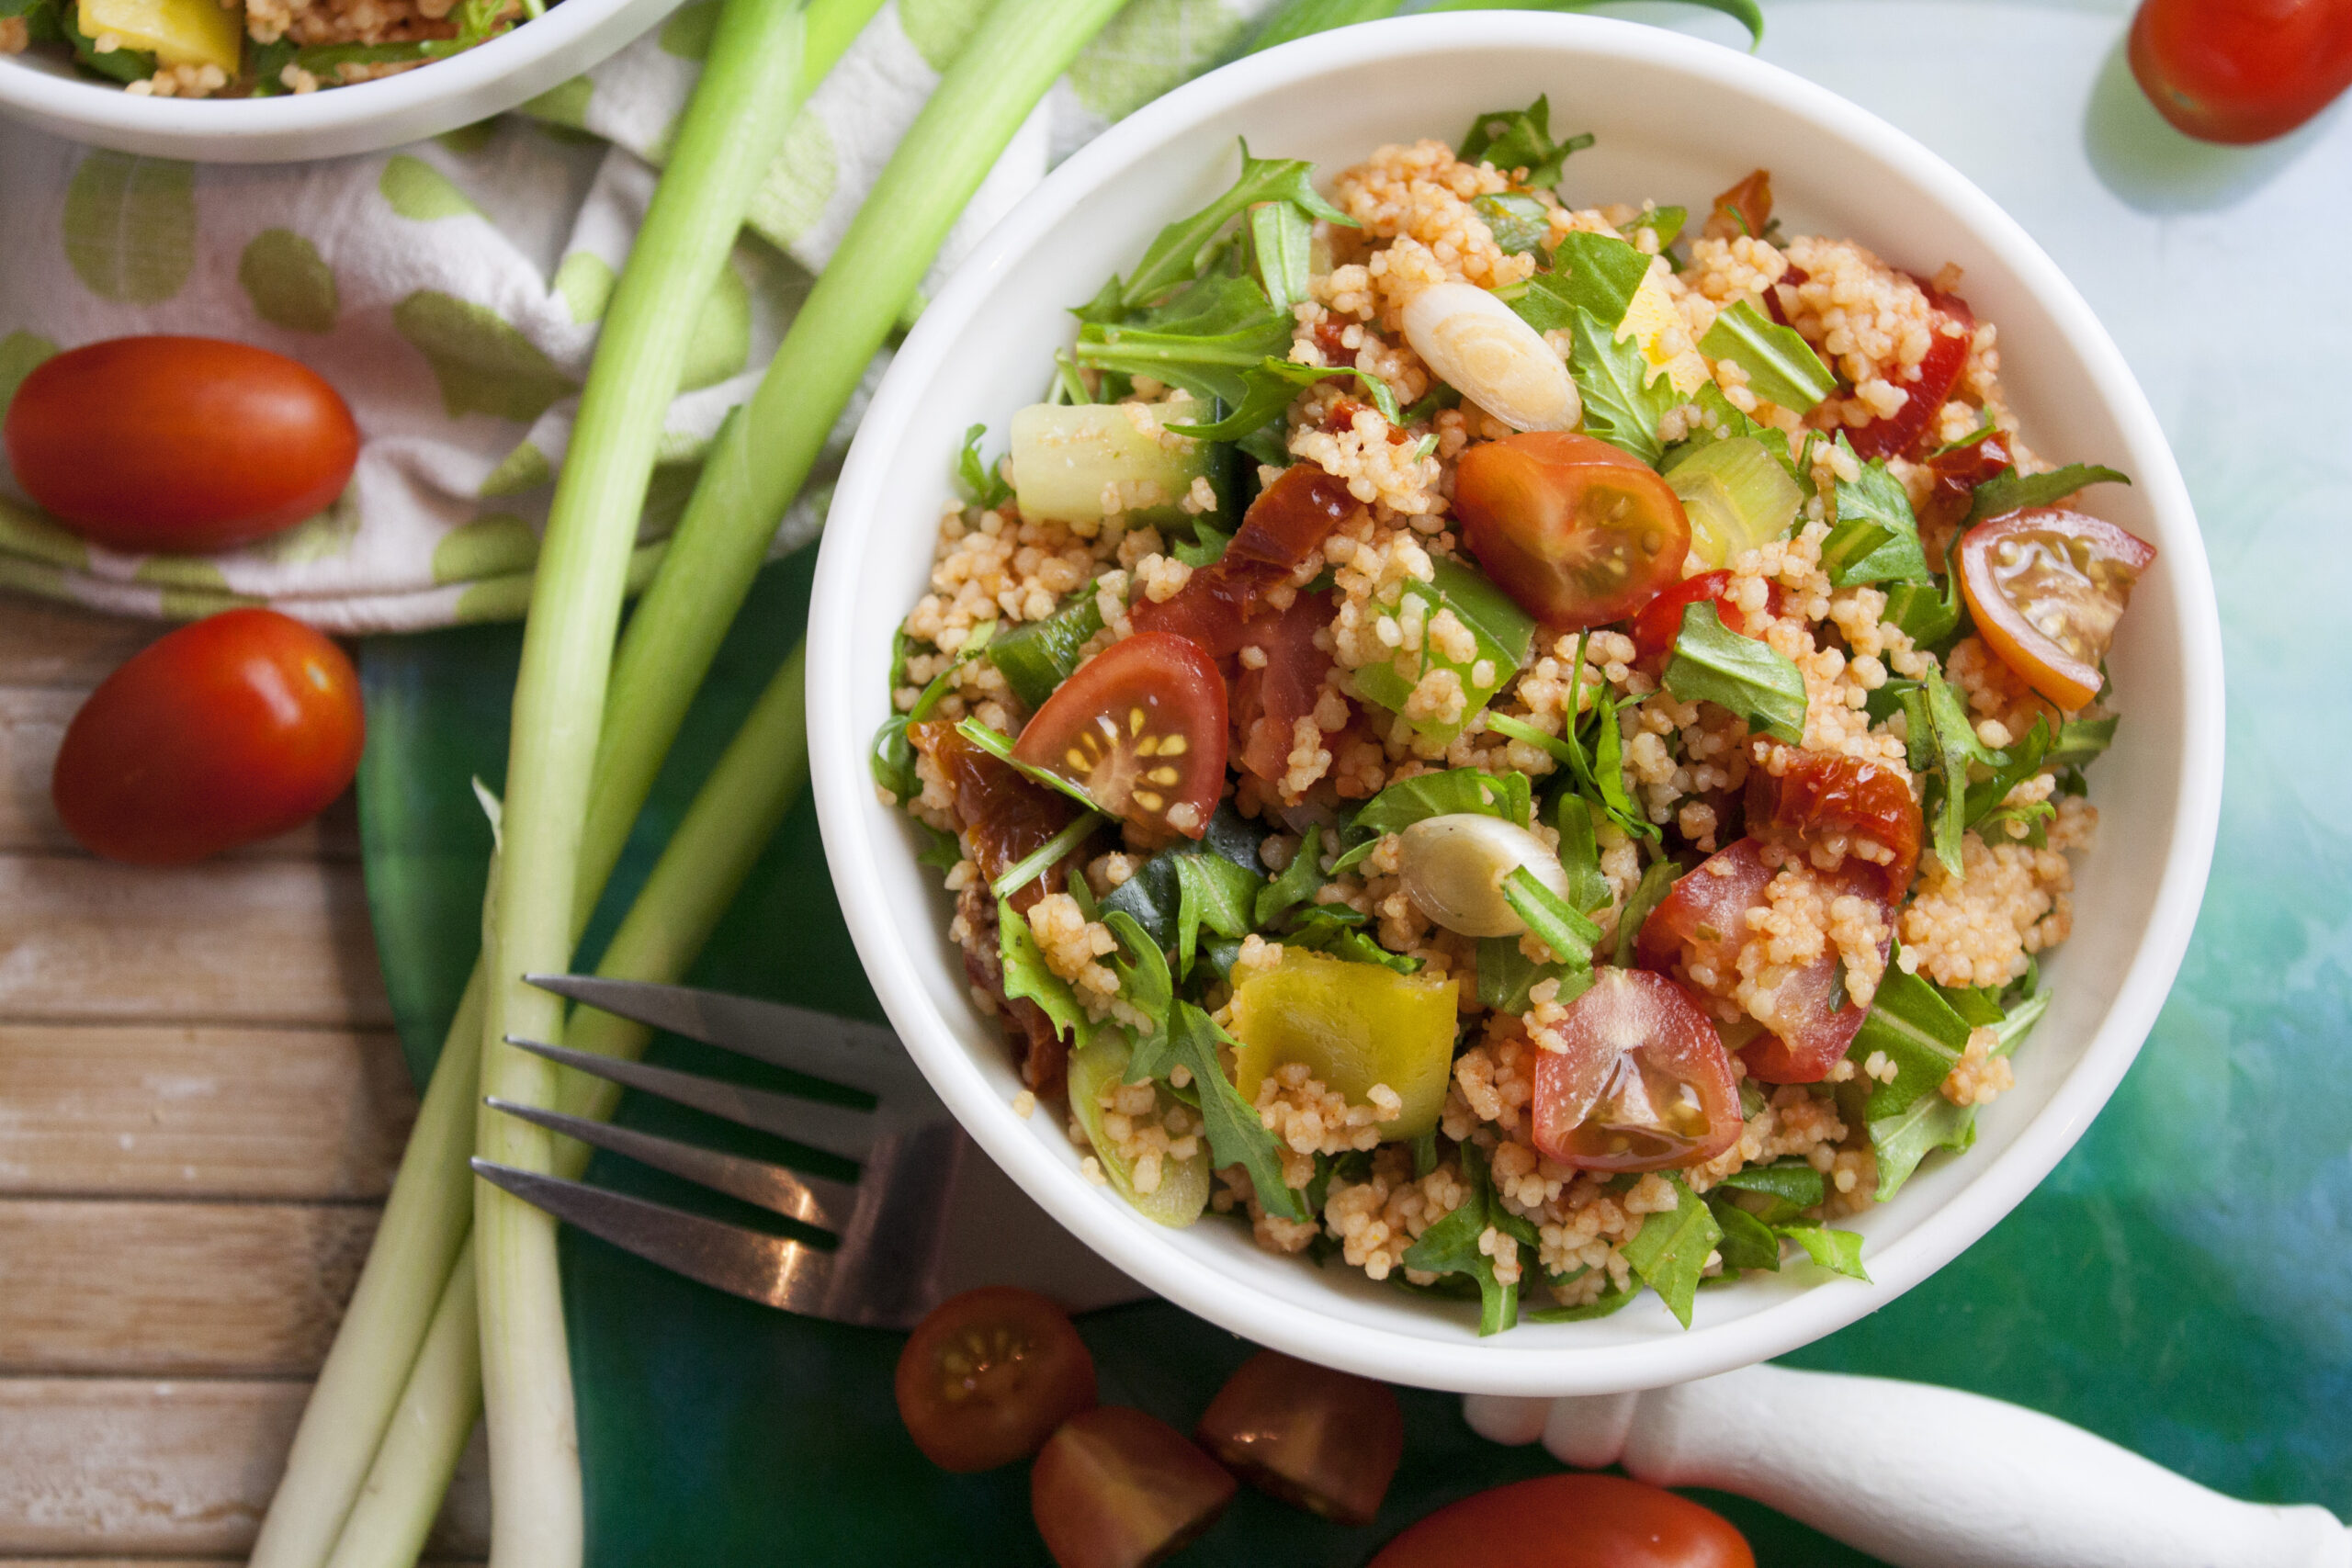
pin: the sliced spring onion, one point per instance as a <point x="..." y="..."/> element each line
<point x="1038" y="861"/>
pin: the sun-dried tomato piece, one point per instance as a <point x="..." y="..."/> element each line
<point x="1899" y="433"/>
<point x="1288" y="523"/>
<point x="1816" y="801"/>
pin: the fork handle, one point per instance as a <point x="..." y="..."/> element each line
<point x="1919" y="1476"/>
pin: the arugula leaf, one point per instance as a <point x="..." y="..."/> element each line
<point x="1521" y="139"/>
<point x="1580" y="854"/>
<point x="1268" y="389"/>
<point x="1600" y="1306"/>
<point x="2018" y="1021"/>
<point x="1666" y="222"/>
<point x="1876" y="539"/>
<point x="1714" y="664"/>
<point x="1671" y="1249"/>
<point x="1623" y="404"/>
<point x="120" y="65"/>
<point x="941" y="849"/>
<point x="1657" y="881"/>
<point x="1035" y="657"/>
<point x="1001" y="748"/>
<point x="2011" y="768"/>
<point x="1401" y="805"/>
<point x="1298" y="881"/>
<point x="1913" y="1026"/>
<point x="1212" y="891"/>
<point x="1451" y="1245"/>
<point x="1791" y="1184"/>
<point x="1606" y="778"/>
<point x="1943" y="741"/>
<point x="1840" y="1252"/>
<point x="1281" y="238"/>
<point x="1555" y="922"/>
<point x="1748" y="1242"/>
<point x="1207" y="547"/>
<point x="1780" y="365"/>
<point x="982" y="483"/>
<point x="892" y="760"/>
<point x="2080" y="741"/>
<point x="1335" y="940"/>
<point x="1214" y="363"/>
<point x="1506" y="975"/>
<point x="1142" y="969"/>
<point x="1236" y="1134"/>
<point x="2010" y="491"/>
<point x="1518" y="223"/>
<point x="1026" y="974"/>
<point x="1923" y="613"/>
<point x="1176" y="254"/>
<point x="1589" y="272"/>
<point x="1902" y="1140"/>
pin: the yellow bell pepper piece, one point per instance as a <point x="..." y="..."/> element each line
<point x="176" y="32"/>
<point x="1354" y="1025"/>
<point x="1648" y="317"/>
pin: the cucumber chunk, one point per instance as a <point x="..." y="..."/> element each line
<point x="1080" y="463"/>
<point x="1183" y="1190"/>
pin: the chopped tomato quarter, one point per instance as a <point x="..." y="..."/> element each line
<point x="1570" y="1521"/>
<point x="989" y="1375"/>
<point x="1644" y="1084"/>
<point x="2047" y="588"/>
<point x="1318" y="1439"/>
<point x="1117" y="1488"/>
<point x="1578" y="532"/>
<point x="1141" y="728"/>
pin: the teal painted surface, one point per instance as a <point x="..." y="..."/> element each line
<point x="2181" y="1284"/>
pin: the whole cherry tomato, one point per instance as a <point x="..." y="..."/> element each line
<point x="2241" y="71"/>
<point x="1141" y="728"/>
<point x="231" y="730"/>
<point x="1579" y="532"/>
<point x="1644" y="1083"/>
<point x="1570" y="1521"/>
<point x="2047" y="586"/>
<point x="1322" y="1440"/>
<point x="986" y="1378"/>
<point x="1117" y="1488"/>
<point x="181" y="444"/>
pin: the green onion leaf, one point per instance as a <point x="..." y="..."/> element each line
<point x="1580" y="853"/>
<point x="1714" y="664"/>
<point x="1554" y="921"/>
<point x="1780" y="365"/>
<point x="1046" y="856"/>
<point x="1001" y="748"/>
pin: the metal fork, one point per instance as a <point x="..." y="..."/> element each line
<point x="928" y="1215"/>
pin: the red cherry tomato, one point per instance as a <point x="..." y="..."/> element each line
<point x="1270" y="697"/>
<point x="1817" y="798"/>
<point x="1286" y="524"/>
<point x="179" y="442"/>
<point x="2241" y="71"/>
<point x="2047" y="586"/>
<point x="1317" y="1439"/>
<point x="1579" y="532"/>
<point x="1570" y="1521"/>
<point x="1644" y="1083"/>
<point x="1900" y="432"/>
<point x="1117" y="1488"/>
<point x="234" y="729"/>
<point x="986" y="1378"/>
<point x="1141" y="728"/>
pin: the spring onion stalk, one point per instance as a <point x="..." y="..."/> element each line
<point x="733" y="817"/>
<point x="760" y="458"/>
<point x="734" y="126"/>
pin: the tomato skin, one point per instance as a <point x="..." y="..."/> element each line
<point x="1678" y="1056"/>
<point x="1117" y="1488"/>
<point x="986" y="1376"/>
<point x="1660" y="621"/>
<point x="1899" y="433"/>
<point x="2088" y="589"/>
<point x="1269" y="699"/>
<point x="1318" y="1439"/>
<point x="1571" y="1521"/>
<point x="1578" y="532"/>
<point x="2241" y="71"/>
<point x="181" y="444"/>
<point x="232" y="729"/>
<point x="1140" y="727"/>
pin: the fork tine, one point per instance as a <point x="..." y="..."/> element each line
<point x="841" y="1050"/>
<point x="812" y="1200"/>
<point x="835" y="1129"/>
<point x="774" y="1270"/>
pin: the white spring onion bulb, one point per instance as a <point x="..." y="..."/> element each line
<point x="1477" y="346"/>
<point x="1454" y="869"/>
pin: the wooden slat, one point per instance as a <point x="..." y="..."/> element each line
<point x="139" y="1469"/>
<point x="175" y="1290"/>
<point x="89" y="1110"/>
<point x="32" y="723"/>
<point x="248" y="942"/>
<point x="47" y="644"/>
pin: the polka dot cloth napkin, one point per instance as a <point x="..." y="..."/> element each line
<point x="451" y="290"/>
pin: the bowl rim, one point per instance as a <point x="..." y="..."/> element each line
<point x="490" y="78"/>
<point x="1496" y="1366"/>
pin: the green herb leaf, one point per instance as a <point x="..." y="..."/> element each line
<point x="1521" y="139"/>
<point x="1666" y="222"/>
<point x="1001" y="748"/>
<point x="1506" y="975"/>
<point x="1502" y="634"/>
<point x="1555" y="922"/>
<point x="2080" y="741"/>
<point x="1714" y="664"/>
<point x="1039" y="656"/>
<point x="975" y="643"/>
<point x="1046" y="856"/>
<point x="1144" y="979"/>
<point x="1281" y="238"/>
<point x="941" y="849"/>
<point x="1176" y="254"/>
<point x="982" y="483"/>
<point x="1657" y="881"/>
<point x="1208" y="364"/>
<point x="1622" y="403"/>
<point x="1589" y="272"/>
<point x="1748" y="1242"/>
<point x="1912" y="1026"/>
<point x="1269" y="388"/>
<point x="1670" y="1251"/>
<point x="1214" y="891"/>
<point x="1026" y="974"/>
<point x="1451" y="1245"/>
<point x="1840" y="1252"/>
<point x="1401" y="805"/>
<point x="1520" y="223"/>
<point x="2010" y="491"/>
<point x="1605" y="779"/>
<point x="1580" y="853"/>
<point x="1780" y="365"/>
<point x="1236" y="1134"/>
<point x="1298" y="881"/>
<point x="892" y="762"/>
<point x="1942" y="740"/>
<point x="1902" y="1140"/>
<point x="1609" y="1302"/>
<point x="1792" y="1185"/>
<point x="1876" y="539"/>
<point x="2011" y="768"/>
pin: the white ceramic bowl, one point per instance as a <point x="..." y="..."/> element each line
<point x="47" y="93"/>
<point x="1678" y="119"/>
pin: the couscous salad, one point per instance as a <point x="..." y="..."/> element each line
<point x="1526" y="748"/>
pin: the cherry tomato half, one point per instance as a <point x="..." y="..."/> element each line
<point x="179" y="442"/>
<point x="1570" y="1521"/>
<point x="986" y="1378"/>
<point x="1644" y="1083"/>
<point x="2047" y="586"/>
<point x="2241" y="71"/>
<point x="1816" y="797"/>
<point x="1141" y="728"/>
<point x="1117" y="1488"/>
<point x="1318" y="1439"/>
<point x="234" y="728"/>
<point x="1579" y="532"/>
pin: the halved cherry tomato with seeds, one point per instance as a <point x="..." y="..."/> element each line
<point x="1816" y="797"/>
<point x="1938" y="371"/>
<point x="1579" y="532"/>
<point x="1141" y="728"/>
<point x="1570" y="1521"/>
<point x="2047" y="586"/>
<point x="1644" y="1083"/>
<point x="1117" y="1488"/>
<point x="987" y="1376"/>
<point x="1323" y="1441"/>
<point x="1286" y="524"/>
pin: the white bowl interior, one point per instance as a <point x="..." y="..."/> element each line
<point x="1676" y="120"/>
